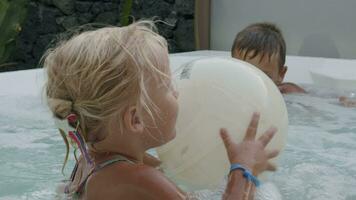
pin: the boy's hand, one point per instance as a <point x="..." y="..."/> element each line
<point x="250" y="152"/>
<point x="347" y="102"/>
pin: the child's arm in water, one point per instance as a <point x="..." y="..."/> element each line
<point x="347" y="102"/>
<point x="140" y="181"/>
<point x="286" y="88"/>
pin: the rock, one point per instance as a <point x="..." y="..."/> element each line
<point x="172" y="46"/>
<point x="46" y="2"/>
<point x="184" y="35"/>
<point x="85" y="18"/>
<point x="23" y="50"/>
<point x="185" y="7"/>
<point x="83" y="6"/>
<point x="96" y="8"/>
<point x="137" y="10"/>
<point x="156" y="8"/>
<point x="172" y="20"/>
<point x="31" y="24"/>
<point x="170" y="23"/>
<point x="165" y="30"/>
<point x="26" y="39"/>
<point x="170" y="1"/>
<point x="68" y="22"/>
<point x="66" y="6"/>
<point x="60" y="20"/>
<point x="107" y="18"/>
<point x="42" y="44"/>
<point x="110" y="7"/>
<point x="48" y="17"/>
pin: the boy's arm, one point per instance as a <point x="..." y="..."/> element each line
<point x="286" y="88"/>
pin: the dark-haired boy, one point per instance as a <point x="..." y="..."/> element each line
<point x="262" y="45"/>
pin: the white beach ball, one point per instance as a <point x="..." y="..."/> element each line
<point x="216" y="93"/>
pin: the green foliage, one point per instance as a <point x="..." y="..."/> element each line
<point x="12" y="14"/>
<point x="126" y="11"/>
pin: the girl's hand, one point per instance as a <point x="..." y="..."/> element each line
<point x="250" y="152"/>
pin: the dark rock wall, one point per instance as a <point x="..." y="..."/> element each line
<point x="47" y="20"/>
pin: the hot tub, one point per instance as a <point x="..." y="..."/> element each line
<point x="318" y="162"/>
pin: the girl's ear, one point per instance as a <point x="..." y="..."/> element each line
<point x="282" y="73"/>
<point x="132" y="120"/>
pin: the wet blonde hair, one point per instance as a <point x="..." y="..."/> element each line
<point x="98" y="74"/>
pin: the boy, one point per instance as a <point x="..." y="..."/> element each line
<point x="262" y="45"/>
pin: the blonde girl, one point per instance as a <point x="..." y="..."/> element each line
<point x="114" y="87"/>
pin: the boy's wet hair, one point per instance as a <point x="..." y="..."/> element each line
<point x="260" y="39"/>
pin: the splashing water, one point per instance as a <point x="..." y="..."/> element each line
<point x="318" y="162"/>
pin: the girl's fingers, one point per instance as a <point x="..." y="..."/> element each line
<point x="267" y="136"/>
<point x="252" y="127"/>
<point x="272" y="153"/>
<point x="225" y="136"/>
<point x="271" y="167"/>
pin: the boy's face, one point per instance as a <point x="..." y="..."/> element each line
<point x="270" y="66"/>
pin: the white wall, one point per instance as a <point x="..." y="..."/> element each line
<point x="321" y="28"/>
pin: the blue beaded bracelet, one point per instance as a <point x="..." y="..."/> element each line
<point x="246" y="173"/>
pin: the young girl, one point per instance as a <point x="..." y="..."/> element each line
<point x="113" y="85"/>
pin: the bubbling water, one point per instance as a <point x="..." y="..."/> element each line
<point x="318" y="162"/>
